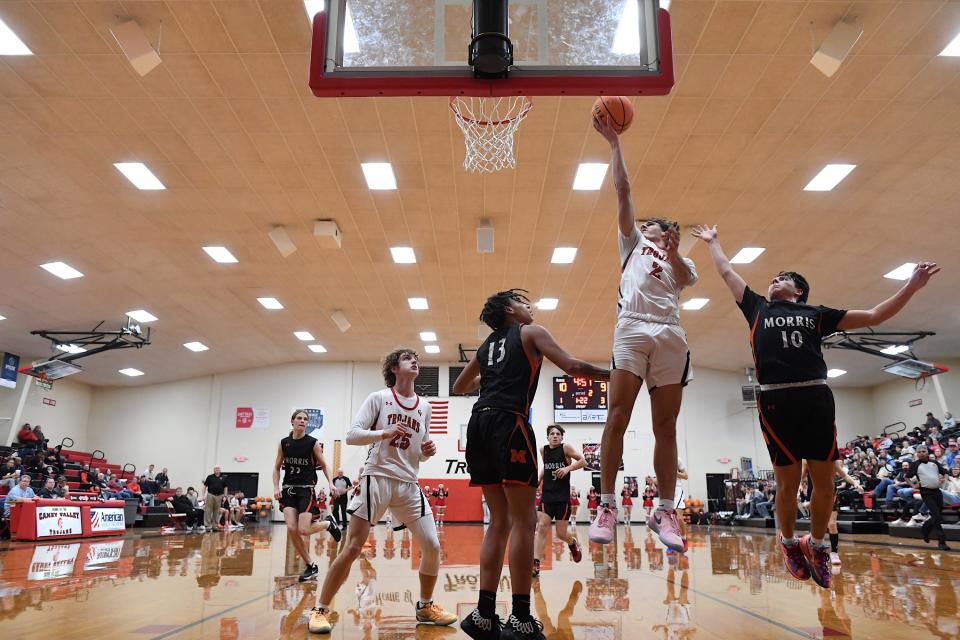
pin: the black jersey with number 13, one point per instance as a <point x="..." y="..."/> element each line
<point x="508" y="378"/>
<point x="785" y="337"/>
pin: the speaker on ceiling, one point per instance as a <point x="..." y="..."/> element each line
<point x="835" y="48"/>
<point x="136" y="47"/>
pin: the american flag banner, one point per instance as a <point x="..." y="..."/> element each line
<point x="438" y="418"/>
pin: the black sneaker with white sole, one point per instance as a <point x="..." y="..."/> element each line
<point x="334" y="529"/>
<point x="480" y="628"/>
<point x="514" y="629"/>
<point x="309" y="573"/>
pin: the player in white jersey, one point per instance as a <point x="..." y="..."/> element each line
<point x="680" y="496"/>
<point x="395" y="423"/>
<point x="649" y="345"/>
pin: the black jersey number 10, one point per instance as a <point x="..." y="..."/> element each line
<point x="796" y="339"/>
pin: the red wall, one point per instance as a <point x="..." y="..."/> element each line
<point x="465" y="502"/>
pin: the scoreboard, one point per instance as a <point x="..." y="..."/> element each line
<point x="579" y="399"/>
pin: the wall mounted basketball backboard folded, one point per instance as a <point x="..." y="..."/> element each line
<point x="491" y="48"/>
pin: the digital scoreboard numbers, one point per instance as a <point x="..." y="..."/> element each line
<point x="579" y="399"/>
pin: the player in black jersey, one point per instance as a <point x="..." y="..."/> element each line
<point x="502" y="455"/>
<point x="795" y="404"/>
<point x="559" y="460"/>
<point x="300" y="456"/>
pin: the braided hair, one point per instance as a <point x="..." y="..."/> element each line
<point x="494" y="312"/>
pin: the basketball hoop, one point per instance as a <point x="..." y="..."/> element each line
<point x="488" y="126"/>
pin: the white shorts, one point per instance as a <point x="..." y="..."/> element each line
<point x="653" y="351"/>
<point x="378" y="493"/>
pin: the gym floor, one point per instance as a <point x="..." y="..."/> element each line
<point x="731" y="584"/>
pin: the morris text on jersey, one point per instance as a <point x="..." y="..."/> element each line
<point x="803" y="322"/>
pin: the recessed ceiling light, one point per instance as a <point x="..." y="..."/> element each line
<point x="317" y="348"/>
<point x="379" y="175"/>
<point x="403" y="255"/>
<point x="563" y="255"/>
<point x="903" y="272"/>
<point x="220" y="254"/>
<point x="62" y="270"/>
<point x="130" y="371"/>
<point x="313" y="7"/>
<point x="306" y="336"/>
<point x="590" y="176"/>
<point x="428" y="336"/>
<point x="418" y="303"/>
<point x="270" y="303"/>
<point x="11" y="44"/>
<point x="835" y="373"/>
<point x="952" y="49"/>
<point x="431" y="348"/>
<point x="747" y="255"/>
<point x="894" y="349"/>
<point x="141" y="177"/>
<point x="627" y="38"/>
<point x="829" y="177"/>
<point x="141" y="315"/>
<point x="71" y="348"/>
<point x="547" y="304"/>
<point x="196" y="346"/>
<point x="695" y="303"/>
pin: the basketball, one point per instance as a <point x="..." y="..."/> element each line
<point x="618" y="110"/>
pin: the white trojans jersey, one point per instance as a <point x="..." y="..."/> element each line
<point x="648" y="286"/>
<point x="398" y="458"/>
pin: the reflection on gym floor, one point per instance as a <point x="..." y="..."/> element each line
<point x="244" y="584"/>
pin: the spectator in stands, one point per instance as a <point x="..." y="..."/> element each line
<point x="97" y="493"/>
<point x="182" y="504"/>
<point x="195" y="501"/>
<point x="11" y="473"/>
<point x="20" y="493"/>
<point x="238" y="509"/>
<point x="94" y="477"/>
<point x="61" y="488"/>
<point x="133" y="487"/>
<point x="901" y="486"/>
<point x="149" y="473"/>
<point x="26" y="436"/>
<point x="116" y="490"/>
<point x="148" y="489"/>
<point x="162" y="479"/>
<point x="951" y="487"/>
<point x="214" y="487"/>
<point x="948" y="421"/>
<point x="53" y="459"/>
<point x="803" y="498"/>
<point x="41" y="439"/>
<point x="49" y="489"/>
<point x="950" y="457"/>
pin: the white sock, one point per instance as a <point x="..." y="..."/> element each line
<point x="666" y="505"/>
<point x="815" y="542"/>
<point x="789" y="541"/>
<point x="608" y="499"/>
<point x="323" y="607"/>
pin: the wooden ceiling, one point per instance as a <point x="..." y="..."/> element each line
<point x="227" y="122"/>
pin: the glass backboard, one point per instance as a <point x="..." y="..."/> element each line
<point x="560" y="47"/>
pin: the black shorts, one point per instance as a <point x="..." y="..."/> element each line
<point x="501" y="449"/>
<point x="556" y="510"/>
<point x="299" y="498"/>
<point x="799" y="423"/>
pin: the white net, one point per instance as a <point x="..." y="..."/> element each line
<point x="488" y="126"/>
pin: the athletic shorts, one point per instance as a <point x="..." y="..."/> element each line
<point x="798" y="423"/>
<point x="501" y="449"/>
<point x="299" y="498"/>
<point x="678" y="499"/>
<point x="556" y="510"/>
<point x="652" y="351"/>
<point x="379" y="493"/>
